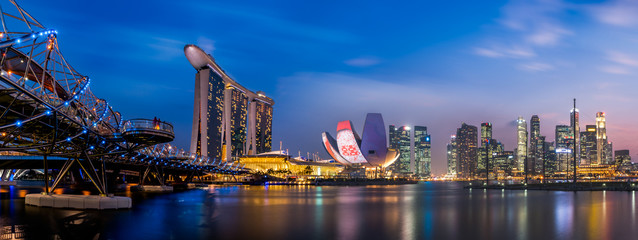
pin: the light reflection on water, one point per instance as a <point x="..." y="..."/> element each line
<point x="421" y="211"/>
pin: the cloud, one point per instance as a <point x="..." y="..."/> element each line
<point x="208" y="45"/>
<point x="363" y="61"/>
<point x="615" y="70"/>
<point x="622" y="58"/>
<point x="535" y="67"/>
<point x="547" y="35"/>
<point x="500" y="52"/>
<point x="618" y="13"/>
<point x="166" y="48"/>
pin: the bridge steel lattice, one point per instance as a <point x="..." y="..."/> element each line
<point x="48" y="109"/>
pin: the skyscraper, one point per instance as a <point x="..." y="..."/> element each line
<point x="466" y="138"/>
<point x="400" y="140"/>
<point x="588" y="148"/>
<point x="601" y="138"/>
<point x="564" y="141"/>
<point x="622" y="157"/>
<point x="226" y="118"/>
<point x="521" y="146"/>
<point x="574" y="122"/>
<point x="422" y="158"/>
<point x="486" y="136"/>
<point x="534" y="160"/>
<point x="451" y="156"/>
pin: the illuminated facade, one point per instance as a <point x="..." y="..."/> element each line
<point x="486" y="136"/>
<point x="401" y="137"/>
<point x="588" y="145"/>
<point x="451" y="156"/>
<point x="574" y="122"/>
<point x="564" y="141"/>
<point x="521" y="143"/>
<point x="466" y="138"/>
<point x="535" y="156"/>
<point x="422" y="157"/>
<point x="601" y="138"/>
<point x="228" y="119"/>
<point x="283" y="165"/>
<point x="369" y="151"/>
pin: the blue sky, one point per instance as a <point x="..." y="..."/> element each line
<point x="430" y="63"/>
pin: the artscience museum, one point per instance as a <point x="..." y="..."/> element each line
<point x="369" y="150"/>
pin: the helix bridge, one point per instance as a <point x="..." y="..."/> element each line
<point x="49" y="113"/>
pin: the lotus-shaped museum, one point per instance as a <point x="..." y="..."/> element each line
<point x="369" y="151"/>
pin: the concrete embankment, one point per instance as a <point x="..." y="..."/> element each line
<point x="579" y="186"/>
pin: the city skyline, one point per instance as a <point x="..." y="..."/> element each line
<point x="477" y="68"/>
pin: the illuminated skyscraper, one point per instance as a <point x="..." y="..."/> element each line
<point x="573" y="121"/>
<point x="486" y="136"/>
<point x="564" y="140"/>
<point x="601" y="138"/>
<point x="535" y="155"/>
<point x="588" y="144"/>
<point x="400" y="140"/>
<point x="521" y="147"/>
<point x="452" y="156"/>
<point x="622" y="157"/>
<point x="422" y="157"/>
<point x="466" y="138"/>
<point x="228" y="119"/>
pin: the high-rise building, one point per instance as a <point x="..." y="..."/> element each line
<point x="227" y="117"/>
<point x="466" y="138"/>
<point x="521" y="143"/>
<point x="622" y="157"/>
<point x="422" y="157"/>
<point x="486" y="136"/>
<point x="564" y="140"/>
<point x="451" y="156"/>
<point x="549" y="159"/>
<point x="609" y="151"/>
<point x="574" y="123"/>
<point x="601" y="138"/>
<point x="400" y="140"/>
<point x="534" y="157"/>
<point x="588" y="147"/>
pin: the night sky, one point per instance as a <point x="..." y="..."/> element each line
<point x="430" y="63"/>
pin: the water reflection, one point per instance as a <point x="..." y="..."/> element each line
<point x="421" y="211"/>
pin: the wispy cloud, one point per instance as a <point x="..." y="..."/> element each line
<point x="614" y="69"/>
<point x="365" y="61"/>
<point x="502" y="52"/>
<point x="620" y="13"/>
<point x="622" y="58"/>
<point x="207" y="44"/>
<point x="535" y="67"/>
<point x="166" y="49"/>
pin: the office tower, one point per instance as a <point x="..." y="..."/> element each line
<point x="549" y="158"/>
<point x="609" y="150"/>
<point x="564" y="141"/>
<point x="400" y="140"/>
<point x="422" y="158"/>
<point x="486" y="136"/>
<point x="451" y="156"/>
<point x="540" y="155"/>
<point x="227" y="117"/>
<point x="601" y="138"/>
<point x="622" y="157"/>
<point x="503" y="162"/>
<point x="574" y="122"/>
<point x="466" y="138"/>
<point x="534" y="156"/>
<point x="521" y="147"/>
<point x="588" y="151"/>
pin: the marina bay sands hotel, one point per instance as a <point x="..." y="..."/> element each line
<point x="228" y="119"/>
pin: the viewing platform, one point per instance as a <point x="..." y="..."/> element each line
<point x="78" y="201"/>
<point x="147" y="131"/>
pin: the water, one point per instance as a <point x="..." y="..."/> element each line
<point x="420" y="211"/>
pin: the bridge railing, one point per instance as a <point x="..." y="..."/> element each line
<point x="147" y="124"/>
